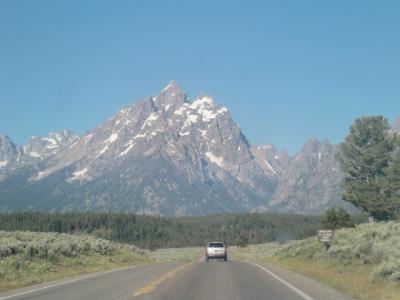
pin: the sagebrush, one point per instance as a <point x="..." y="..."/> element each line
<point x="377" y="245"/>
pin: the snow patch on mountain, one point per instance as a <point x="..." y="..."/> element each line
<point x="129" y="147"/>
<point x="52" y="143"/>
<point x="167" y="87"/>
<point x="34" y="154"/>
<point x="267" y="164"/>
<point x="219" y="161"/>
<point x="150" y="119"/>
<point x="79" y="174"/>
<point x="113" y="137"/>
<point x="264" y="147"/>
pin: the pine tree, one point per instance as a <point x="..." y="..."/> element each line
<point x="393" y="184"/>
<point x="330" y="219"/>
<point x="343" y="219"/>
<point x="364" y="157"/>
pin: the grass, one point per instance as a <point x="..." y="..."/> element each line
<point x="259" y="252"/>
<point x="176" y="254"/>
<point x="354" y="280"/>
<point x="363" y="262"/>
<point x="28" y="258"/>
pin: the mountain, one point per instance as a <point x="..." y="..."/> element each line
<point x="272" y="161"/>
<point x="163" y="155"/>
<point x="8" y="150"/>
<point x="311" y="181"/>
<point x="39" y="147"/>
<point x="166" y="155"/>
<point x="396" y="125"/>
<point x="9" y="154"/>
<point x="13" y="157"/>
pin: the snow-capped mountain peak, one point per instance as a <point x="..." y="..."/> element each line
<point x="42" y="147"/>
<point x="171" y="97"/>
<point x="162" y="155"/>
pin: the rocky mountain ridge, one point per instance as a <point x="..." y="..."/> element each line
<point x="166" y="155"/>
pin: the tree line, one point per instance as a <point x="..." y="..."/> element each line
<point x="158" y="232"/>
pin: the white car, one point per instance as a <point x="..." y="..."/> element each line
<point x="216" y="250"/>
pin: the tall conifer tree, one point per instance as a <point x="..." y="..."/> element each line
<point x="364" y="156"/>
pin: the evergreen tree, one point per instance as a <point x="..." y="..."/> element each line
<point x="364" y="157"/>
<point x="393" y="184"/>
<point x="330" y="219"/>
<point x="343" y="219"/>
<point x="336" y="219"/>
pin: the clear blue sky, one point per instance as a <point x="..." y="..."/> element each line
<point x="287" y="70"/>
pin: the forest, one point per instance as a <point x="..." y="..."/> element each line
<point x="152" y="232"/>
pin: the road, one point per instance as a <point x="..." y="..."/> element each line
<point x="216" y="280"/>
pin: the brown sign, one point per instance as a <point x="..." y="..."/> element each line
<point x="325" y="236"/>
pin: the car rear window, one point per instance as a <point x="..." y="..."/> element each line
<point x="216" y="245"/>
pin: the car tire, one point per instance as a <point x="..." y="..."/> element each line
<point x="225" y="258"/>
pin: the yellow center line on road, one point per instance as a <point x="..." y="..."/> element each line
<point x="151" y="286"/>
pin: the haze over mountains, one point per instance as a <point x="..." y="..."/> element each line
<point x="166" y="155"/>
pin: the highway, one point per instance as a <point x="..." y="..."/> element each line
<point x="216" y="280"/>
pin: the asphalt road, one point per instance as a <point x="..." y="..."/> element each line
<point x="216" y="280"/>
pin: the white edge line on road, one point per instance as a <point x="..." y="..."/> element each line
<point x="65" y="282"/>
<point x="292" y="287"/>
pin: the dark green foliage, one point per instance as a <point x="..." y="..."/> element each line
<point x="336" y="219"/>
<point x="330" y="219"/>
<point x="242" y="241"/>
<point x="393" y="184"/>
<point x="156" y="232"/>
<point x="343" y="219"/>
<point x="364" y="157"/>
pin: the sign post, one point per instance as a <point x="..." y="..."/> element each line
<point x="326" y="237"/>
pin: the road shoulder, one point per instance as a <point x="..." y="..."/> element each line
<point x="309" y="286"/>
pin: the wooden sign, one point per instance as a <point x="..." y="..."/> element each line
<point x="325" y="236"/>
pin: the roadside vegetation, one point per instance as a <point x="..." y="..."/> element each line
<point x="370" y="160"/>
<point x="28" y="258"/>
<point x="365" y="256"/>
<point x="363" y="261"/>
<point x="260" y="252"/>
<point x="177" y="254"/>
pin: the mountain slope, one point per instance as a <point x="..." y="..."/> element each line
<point x="39" y="147"/>
<point x="167" y="155"/>
<point x="311" y="180"/>
<point x="163" y="155"/>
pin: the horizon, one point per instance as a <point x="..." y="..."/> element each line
<point x="285" y="71"/>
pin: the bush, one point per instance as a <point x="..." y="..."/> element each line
<point x="51" y="245"/>
<point x="376" y="244"/>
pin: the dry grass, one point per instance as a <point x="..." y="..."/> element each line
<point x="260" y="252"/>
<point x="353" y="280"/>
<point x="176" y="254"/>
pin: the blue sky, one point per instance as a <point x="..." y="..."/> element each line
<point x="287" y="70"/>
